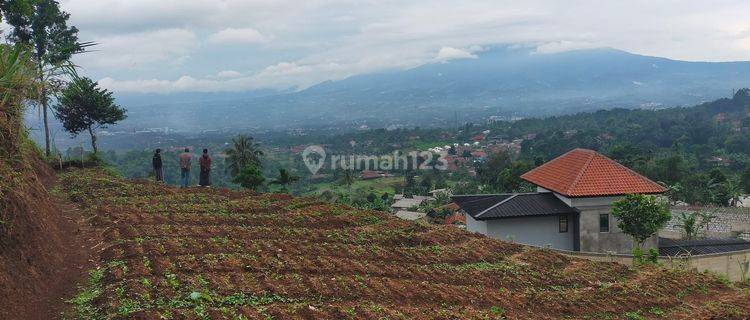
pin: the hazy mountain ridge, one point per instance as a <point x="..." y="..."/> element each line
<point x="500" y="82"/>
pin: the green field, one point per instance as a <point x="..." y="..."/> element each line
<point x="377" y="186"/>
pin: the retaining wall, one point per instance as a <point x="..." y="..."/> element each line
<point x="735" y="265"/>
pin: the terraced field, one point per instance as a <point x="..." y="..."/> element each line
<point x="218" y="254"/>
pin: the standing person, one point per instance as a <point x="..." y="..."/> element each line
<point x="158" y="170"/>
<point x="185" y="163"/>
<point x="205" y="163"/>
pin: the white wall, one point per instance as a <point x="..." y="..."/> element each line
<point x="538" y="231"/>
<point x="475" y="225"/>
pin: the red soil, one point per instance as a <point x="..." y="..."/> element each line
<point x="215" y="254"/>
<point x="43" y="251"/>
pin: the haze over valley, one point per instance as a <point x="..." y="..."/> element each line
<point x="498" y="83"/>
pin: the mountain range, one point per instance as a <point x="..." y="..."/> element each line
<point x="504" y="82"/>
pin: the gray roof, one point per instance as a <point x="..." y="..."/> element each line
<point x="498" y="206"/>
<point x="671" y="247"/>
<point x="406" y="203"/>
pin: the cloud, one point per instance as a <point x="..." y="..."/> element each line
<point x="283" y="75"/>
<point x="285" y="69"/>
<point x="306" y="42"/>
<point x="449" y="53"/>
<point x="131" y="16"/>
<point x="562" y="46"/>
<point x="228" y="74"/>
<point x="238" y="36"/>
<point x="139" y="50"/>
<point x="344" y="18"/>
<point x="182" y="84"/>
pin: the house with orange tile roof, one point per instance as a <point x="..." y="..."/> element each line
<point x="570" y="209"/>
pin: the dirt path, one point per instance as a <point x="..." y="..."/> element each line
<point x="45" y="247"/>
<point x="79" y="242"/>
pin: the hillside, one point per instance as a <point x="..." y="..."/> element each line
<point x="41" y="244"/>
<point x="214" y="253"/>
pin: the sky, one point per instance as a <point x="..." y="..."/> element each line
<point x="164" y="46"/>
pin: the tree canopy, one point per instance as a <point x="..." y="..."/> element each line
<point x="641" y="216"/>
<point x="250" y="177"/>
<point x="244" y="152"/>
<point x="42" y="26"/>
<point x="83" y="106"/>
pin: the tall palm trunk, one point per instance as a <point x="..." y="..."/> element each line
<point x="43" y="87"/>
<point x="47" y="149"/>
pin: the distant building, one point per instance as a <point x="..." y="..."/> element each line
<point x="369" y="175"/>
<point x="570" y="210"/>
<point x="404" y="203"/>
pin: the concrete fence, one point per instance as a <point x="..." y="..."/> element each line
<point x="734" y="265"/>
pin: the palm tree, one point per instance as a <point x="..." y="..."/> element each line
<point x="734" y="191"/>
<point x="285" y="178"/>
<point x="244" y="152"/>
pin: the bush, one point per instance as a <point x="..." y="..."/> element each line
<point x="250" y="177"/>
<point x="641" y="216"/>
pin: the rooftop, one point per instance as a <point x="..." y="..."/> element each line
<point x="402" y="202"/>
<point x="498" y="206"/>
<point x="586" y="173"/>
<point x="670" y="247"/>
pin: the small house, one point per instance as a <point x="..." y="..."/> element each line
<point x="570" y="209"/>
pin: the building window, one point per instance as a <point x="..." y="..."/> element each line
<point x="563" y="224"/>
<point x="604" y="222"/>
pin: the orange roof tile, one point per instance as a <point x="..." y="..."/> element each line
<point x="586" y="173"/>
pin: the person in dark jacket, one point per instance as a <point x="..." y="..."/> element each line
<point x="205" y="164"/>
<point x="158" y="169"/>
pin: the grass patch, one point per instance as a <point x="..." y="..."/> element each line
<point x="83" y="302"/>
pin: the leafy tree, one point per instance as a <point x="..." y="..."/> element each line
<point x="439" y="181"/>
<point x="244" y="152"/>
<point x="628" y="155"/>
<point x="673" y="191"/>
<point x="718" y="188"/>
<point x="410" y="183"/>
<point x="41" y="25"/>
<point x="249" y="177"/>
<point x="746" y="178"/>
<point x="670" y="170"/>
<point x="285" y="178"/>
<point x="641" y="216"/>
<point x="83" y="106"/>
